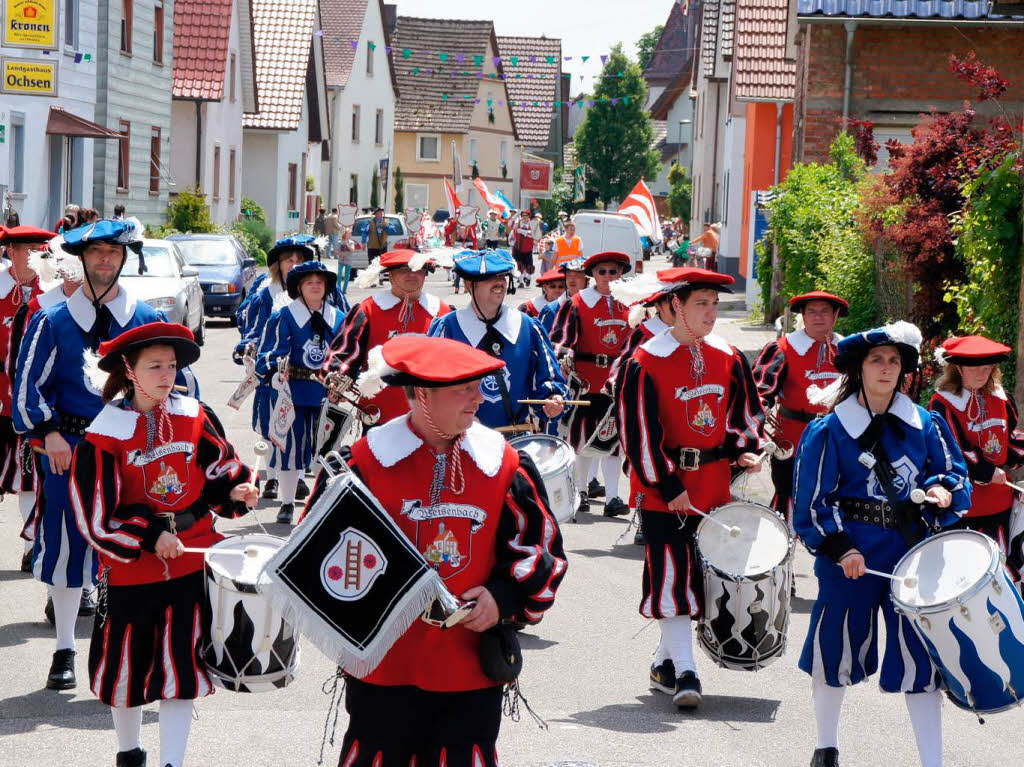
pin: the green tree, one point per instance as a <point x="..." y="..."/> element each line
<point x="646" y="44"/>
<point x="188" y="212"/>
<point x="614" y="140"/>
<point x="561" y="199"/>
<point x="399" y="191"/>
<point x="375" y="189"/>
<point x="680" y="191"/>
<point x="252" y="209"/>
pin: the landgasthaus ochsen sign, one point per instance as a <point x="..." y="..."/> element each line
<point x="30" y="24"/>
<point x="27" y="77"/>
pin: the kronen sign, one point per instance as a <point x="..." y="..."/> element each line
<point x="30" y="24"/>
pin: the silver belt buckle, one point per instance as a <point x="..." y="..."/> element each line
<point x="689" y="458"/>
<point x="602" y="361"/>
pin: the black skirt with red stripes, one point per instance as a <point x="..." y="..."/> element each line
<point x="147" y="647"/>
<point x="599" y="417"/>
<point x="673" y="580"/>
<point x="17" y="466"/>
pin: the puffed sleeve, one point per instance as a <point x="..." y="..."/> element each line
<point x="817" y="519"/>
<point x="547" y="375"/>
<point x="94" y="490"/>
<point x="626" y="353"/>
<point x="530" y="559"/>
<point x="945" y="467"/>
<point x="1015" y="454"/>
<point x="34" y="393"/>
<point x="348" y="349"/>
<point x="222" y="468"/>
<point x="745" y="422"/>
<point x="274" y="344"/>
<point x="566" y="329"/>
<point x="770" y="373"/>
<point x="978" y="468"/>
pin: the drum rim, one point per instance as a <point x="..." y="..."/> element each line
<point x="967" y="594"/>
<point x="745" y="578"/>
<point x="226" y="581"/>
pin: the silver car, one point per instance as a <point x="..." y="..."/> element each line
<point x="168" y="284"/>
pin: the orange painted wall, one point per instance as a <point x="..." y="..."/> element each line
<point x="759" y="167"/>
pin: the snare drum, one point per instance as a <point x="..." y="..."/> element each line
<point x="971" y="618"/>
<point x="251" y="647"/>
<point x="556" y="463"/>
<point x="746" y="586"/>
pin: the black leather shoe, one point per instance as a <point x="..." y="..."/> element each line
<point x="616" y="507"/>
<point x="87" y="604"/>
<point x="688" y="692"/>
<point x="825" y="757"/>
<point x="26" y="562"/>
<point x="301" y="490"/>
<point x="134" y="758"/>
<point x="270" y="490"/>
<point x="595" y="489"/>
<point x="48" y="612"/>
<point x="287" y="511"/>
<point x="62" y="671"/>
<point x="584" y="505"/>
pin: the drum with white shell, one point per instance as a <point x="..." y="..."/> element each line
<point x="251" y="648"/>
<point x="955" y="589"/>
<point x="556" y="462"/>
<point x="747" y="581"/>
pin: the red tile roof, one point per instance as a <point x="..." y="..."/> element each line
<point x="671" y="52"/>
<point x="533" y="79"/>
<point x="343" y="23"/>
<point x="760" y="69"/>
<point x="283" y="32"/>
<point x="201" y="34"/>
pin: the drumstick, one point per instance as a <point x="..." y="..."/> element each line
<point x="917" y="495"/>
<point x="248" y="551"/>
<point x="260" y="448"/>
<point x="731" y="529"/>
<point x="909" y="581"/>
<point x="580" y="402"/>
<point x="1012" y="486"/>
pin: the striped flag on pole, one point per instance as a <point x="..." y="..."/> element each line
<point x="494" y="200"/>
<point x="639" y="206"/>
<point x="452" y="199"/>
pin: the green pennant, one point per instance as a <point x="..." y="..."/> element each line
<point x="558" y="104"/>
<point x="371" y="45"/>
<point x="490" y="102"/>
<point x="415" y="70"/>
<point x="406" y="53"/>
<point x="444" y="97"/>
<point x="478" y="60"/>
<point x="467" y="97"/>
<point x="514" y="60"/>
<point x="622" y="74"/>
<point x="87" y="57"/>
<point x="443" y="56"/>
<point x="625" y="99"/>
<point x="549" y="59"/>
<point x="584" y="58"/>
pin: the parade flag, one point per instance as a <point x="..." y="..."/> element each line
<point x="456" y="168"/>
<point x="452" y="199"/>
<point x="495" y="201"/>
<point x="639" y="206"/>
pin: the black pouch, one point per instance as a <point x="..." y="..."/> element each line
<point x="500" y="654"/>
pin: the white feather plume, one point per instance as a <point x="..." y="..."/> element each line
<point x="321" y="243"/>
<point x="940" y="355"/>
<point x="637" y="288"/>
<point x="904" y="332"/>
<point x="637" y="314"/>
<point x="826" y="396"/>
<point x="444" y="256"/>
<point x="369" y="276"/>
<point x="418" y="261"/>
<point x="371" y="381"/>
<point x="98" y="378"/>
<point x="43" y="264"/>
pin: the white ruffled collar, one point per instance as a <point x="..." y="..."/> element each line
<point x="7" y="281"/>
<point x="508" y="324"/>
<point x="118" y="422"/>
<point x="301" y="314"/>
<point x="855" y="417"/>
<point x="959" y="400"/>
<point x="386" y="300"/>
<point x="539" y="302"/>
<point x="655" y="325"/>
<point x="52" y="297"/>
<point x="801" y="342"/>
<point x="590" y="296"/>
<point x="664" y="344"/>
<point x="122" y="307"/>
<point x="396" y="441"/>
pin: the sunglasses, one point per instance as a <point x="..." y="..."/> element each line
<point x="607" y="272"/>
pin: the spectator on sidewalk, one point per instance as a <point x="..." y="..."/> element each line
<point x="332" y="228"/>
<point x="119" y="212"/>
<point x="494" y="230"/>
<point x="567" y="247"/>
<point x="375" y="238"/>
<point x="344" y="252"/>
<point x="318" y="224"/>
<point x="708" y="241"/>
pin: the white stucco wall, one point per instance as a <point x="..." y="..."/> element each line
<point x="681" y="110"/>
<point x="45" y="191"/>
<point x="731" y="197"/>
<point x="370" y="93"/>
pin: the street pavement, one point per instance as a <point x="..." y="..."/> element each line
<point x="585" y="667"/>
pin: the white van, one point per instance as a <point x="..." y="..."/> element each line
<point x="600" y="231"/>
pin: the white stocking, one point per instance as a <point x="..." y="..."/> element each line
<point x="65" y="612"/>
<point x="127" y="727"/>
<point x="661" y="653"/>
<point x="610" y="471"/>
<point x="289" y="484"/>
<point x="586" y="468"/>
<point x="926" y="715"/>
<point x="678" y="639"/>
<point x="828" y="704"/>
<point x="26" y="503"/>
<point x="175" y="723"/>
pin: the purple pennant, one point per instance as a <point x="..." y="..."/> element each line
<point x="477" y="101"/>
<point x="533" y="59"/>
<point x="460" y="58"/>
<point x="430" y="71"/>
<point x="590" y="103"/>
<point x="567" y="58"/>
<point x="501" y="103"/>
<point x="480" y="75"/>
<point x="604" y="58"/>
<point x="388" y="49"/>
<point x="497" y="60"/>
<point x="529" y="77"/>
<point x="615" y="102"/>
<point x="547" y="104"/>
<point x="354" y="44"/>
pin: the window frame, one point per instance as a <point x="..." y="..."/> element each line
<point x="18" y="161"/>
<point x="409" y="196"/>
<point x="71" y="16"/>
<point x="378" y="128"/>
<point x="154" y="159"/>
<point x="369" y="58"/>
<point x="158" y="32"/>
<point x="232" y="169"/>
<point x="216" y="173"/>
<point x="419" y="147"/>
<point x="233" y="74"/>
<point x="353" y="189"/>
<point x="124" y="155"/>
<point x="293" y="185"/>
<point x="356" y="118"/>
<point x="127" y="17"/>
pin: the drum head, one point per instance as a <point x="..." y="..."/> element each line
<point x="241" y="571"/>
<point x="946" y="566"/>
<point x="550" y="453"/>
<point x="763" y="542"/>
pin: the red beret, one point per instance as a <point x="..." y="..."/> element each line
<point x="611" y="256"/>
<point x="693" y="277"/>
<point x="973" y="351"/>
<point x="395" y="259"/>
<point x="551" y="275"/>
<point x="150" y="334"/>
<point x="797" y="303"/>
<point x="25" y="234"/>
<point x="434" y="362"/>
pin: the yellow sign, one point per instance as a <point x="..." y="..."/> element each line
<point x="31" y="24"/>
<point x="29" y="78"/>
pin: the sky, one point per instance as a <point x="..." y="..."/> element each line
<point x="586" y="27"/>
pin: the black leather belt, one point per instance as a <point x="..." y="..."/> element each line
<point x="796" y="415"/>
<point x="73" y="425"/>
<point x="180" y="521"/>
<point x="601" y="360"/>
<point x="303" y="374"/>
<point x="692" y="458"/>
<point x="879" y="513"/>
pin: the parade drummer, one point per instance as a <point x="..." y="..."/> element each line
<point x="575" y="280"/>
<point x="531" y="370"/>
<point x="481" y="517"/>
<point x="153" y="468"/>
<point x="244" y="310"/>
<point x="689" y="409"/>
<point x="588" y="335"/>
<point x="855" y="470"/>
<point x="983" y="417"/>
<point x="552" y="287"/>
<point x="401" y="308"/>
<point x="55" y="402"/>
<point x="300" y="333"/>
<point x="19" y="285"/>
<point x="787" y="368"/>
<point x="282" y="258"/>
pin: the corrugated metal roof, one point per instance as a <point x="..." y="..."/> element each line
<point x="901" y="9"/>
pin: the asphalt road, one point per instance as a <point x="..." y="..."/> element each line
<point x="585" y="669"/>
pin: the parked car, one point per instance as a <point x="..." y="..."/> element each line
<point x="167" y="284"/>
<point x="398" y="237"/>
<point x="225" y="270"/>
<point x="600" y="231"/>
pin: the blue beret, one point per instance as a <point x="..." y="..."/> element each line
<point x="481" y="264"/>
<point x="906" y="337"/>
<point x="305" y="269"/>
<point x="299" y="242"/>
<point x="125" y="232"/>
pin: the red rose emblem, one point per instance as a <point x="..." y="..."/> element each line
<point x="369" y="561"/>
<point x="334" y="573"/>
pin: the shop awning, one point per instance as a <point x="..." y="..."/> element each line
<point x="60" y="122"/>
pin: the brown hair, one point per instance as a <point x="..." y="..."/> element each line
<point x="950" y="380"/>
<point x="117" y="382"/>
<point x="275" y="273"/>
